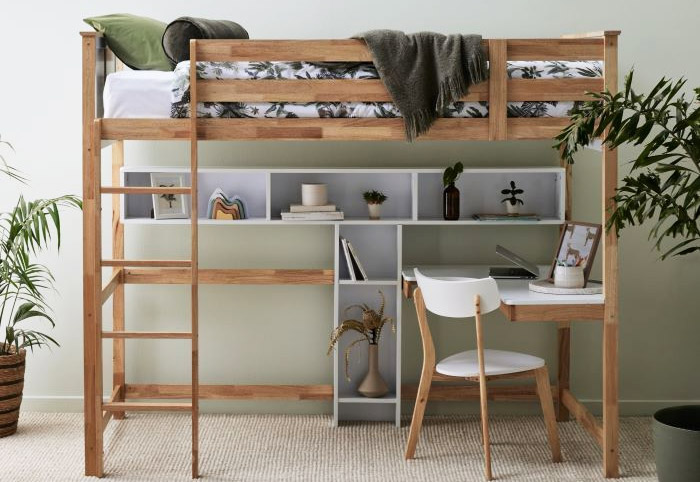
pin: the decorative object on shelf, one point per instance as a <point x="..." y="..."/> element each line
<point x="314" y="194"/>
<point x="663" y="183"/>
<point x="450" y="195"/>
<point x="506" y="217"/>
<point x="352" y="261"/>
<point x="548" y="287"/>
<point x="300" y="208"/>
<point x="374" y="200"/>
<point x="513" y="202"/>
<point x="566" y="276"/>
<point x="223" y="207"/>
<point x="370" y="329"/>
<point x="577" y="247"/>
<point x="313" y="216"/>
<point x="26" y="230"/>
<point x="169" y="206"/>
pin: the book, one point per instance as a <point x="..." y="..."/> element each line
<point x="506" y="217"/>
<point x="357" y="263"/>
<point x="348" y="260"/>
<point x="313" y="216"/>
<point x="300" y="208"/>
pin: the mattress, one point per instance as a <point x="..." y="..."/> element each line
<point x="166" y="94"/>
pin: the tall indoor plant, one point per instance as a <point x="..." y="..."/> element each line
<point x="30" y="227"/>
<point x="663" y="185"/>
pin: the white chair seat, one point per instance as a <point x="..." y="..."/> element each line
<point x="497" y="362"/>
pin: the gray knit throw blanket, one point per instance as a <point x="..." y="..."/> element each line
<point x="424" y="72"/>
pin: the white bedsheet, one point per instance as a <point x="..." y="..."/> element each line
<point x="138" y="94"/>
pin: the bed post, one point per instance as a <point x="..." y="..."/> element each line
<point x="92" y="394"/>
<point x="610" y="283"/>
<point x="498" y="89"/>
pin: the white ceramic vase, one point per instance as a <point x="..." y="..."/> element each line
<point x="314" y="194"/>
<point x="513" y="209"/>
<point x="375" y="210"/>
<point x="568" y="277"/>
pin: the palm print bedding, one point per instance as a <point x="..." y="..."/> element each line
<point x="337" y="70"/>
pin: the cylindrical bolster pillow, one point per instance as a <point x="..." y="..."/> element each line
<point x="177" y="35"/>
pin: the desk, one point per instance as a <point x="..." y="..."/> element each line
<point x="518" y="303"/>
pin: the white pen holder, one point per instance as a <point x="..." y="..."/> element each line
<point x="314" y="194"/>
<point x="568" y="277"/>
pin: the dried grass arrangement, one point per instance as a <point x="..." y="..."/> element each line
<point x="370" y="328"/>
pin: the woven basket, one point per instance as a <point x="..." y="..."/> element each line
<point x="11" y="385"/>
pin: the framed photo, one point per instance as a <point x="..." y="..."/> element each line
<point x="169" y="206"/>
<point x="577" y="246"/>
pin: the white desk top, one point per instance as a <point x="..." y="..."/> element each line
<point x="513" y="292"/>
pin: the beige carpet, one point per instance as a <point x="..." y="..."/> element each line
<point x="48" y="447"/>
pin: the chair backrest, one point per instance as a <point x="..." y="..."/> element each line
<point x="454" y="297"/>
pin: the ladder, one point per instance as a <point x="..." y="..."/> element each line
<point x="95" y="296"/>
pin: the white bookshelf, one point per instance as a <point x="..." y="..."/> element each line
<point x="414" y="198"/>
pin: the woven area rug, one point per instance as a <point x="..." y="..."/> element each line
<point x="156" y="447"/>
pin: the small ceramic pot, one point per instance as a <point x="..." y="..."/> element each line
<point x="375" y="210"/>
<point x="314" y="194"/>
<point x="513" y="209"/>
<point x="568" y="277"/>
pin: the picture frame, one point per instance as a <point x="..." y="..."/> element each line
<point x="578" y="243"/>
<point x="169" y="206"/>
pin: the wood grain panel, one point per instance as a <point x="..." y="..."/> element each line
<point x="232" y="392"/>
<point x="555" y="49"/>
<point x="552" y="312"/>
<point x="231" y="276"/>
<point x="553" y="89"/>
<point x="345" y="50"/>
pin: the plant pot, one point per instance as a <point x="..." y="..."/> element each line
<point x="512" y="209"/>
<point x="373" y="385"/>
<point x="677" y="443"/>
<point x="569" y="277"/>
<point x="314" y="194"/>
<point x="375" y="210"/>
<point x="450" y="203"/>
<point x="11" y="386"/>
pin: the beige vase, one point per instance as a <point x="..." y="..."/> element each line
<point x="373" y="385"/>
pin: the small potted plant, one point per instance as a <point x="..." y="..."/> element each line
<point x="512" y="201"/>
<point x="370" y="329"/>
<point x="25" y="230"/>
<point x="450" y="195"/>
<point x="374" y="201"/>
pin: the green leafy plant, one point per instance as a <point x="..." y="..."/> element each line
<point x="512" y="194"/>
<point x="370" y="328"/>
<point x="374" y="197"/>
<point x="452" y="173"/>
<point x="26" y="230"/>
<point x="664" y="181"/>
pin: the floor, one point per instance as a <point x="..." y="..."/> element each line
<point x="155" y="447"/>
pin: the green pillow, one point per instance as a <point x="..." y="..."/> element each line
<point x="136" y="41"/>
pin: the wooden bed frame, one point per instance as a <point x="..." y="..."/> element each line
<point x="98" y="61"/>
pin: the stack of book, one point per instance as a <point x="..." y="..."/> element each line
<point x="355" y="268"/>
<point x="325" y="212"/>
<point x="223" y="207"/>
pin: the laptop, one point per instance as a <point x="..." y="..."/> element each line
<point x="525" y="269"/>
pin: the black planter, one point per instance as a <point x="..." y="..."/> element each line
<point x="450" y="203"/>
<point x="677" y="443"/>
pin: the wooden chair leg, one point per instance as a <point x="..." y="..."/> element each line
<point x="418" y="411"/>
<point x="485" y="427"/>
<point x="545" y="393"/>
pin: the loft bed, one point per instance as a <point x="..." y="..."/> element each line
<point x="498" y="91"/>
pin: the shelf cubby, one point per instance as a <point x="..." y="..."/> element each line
<point x="480" y="193"/>
<point x="345" y="188"/>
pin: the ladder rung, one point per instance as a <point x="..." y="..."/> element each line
<point x="146" y="407"/>
<point x="145" y="190"/>
<point x="148" y="263"/>
<point x="184" y="335"/>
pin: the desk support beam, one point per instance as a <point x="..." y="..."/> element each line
<point x="564" y="362"/>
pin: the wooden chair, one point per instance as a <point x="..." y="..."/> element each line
<point x="466" y="298"/>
